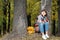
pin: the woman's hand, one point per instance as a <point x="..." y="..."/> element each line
<point x="39" y="21"/>
<point x="46" y="20"/>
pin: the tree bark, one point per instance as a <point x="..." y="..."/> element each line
<point x="20" y="17"/>
<point x="46" y="4"/>
<point x="19" y="21"/>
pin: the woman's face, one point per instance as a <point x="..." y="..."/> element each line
<point x="43" y="13"/>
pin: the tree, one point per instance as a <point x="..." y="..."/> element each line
<point x="33" y="9"/>
<point x="1" y="17"/>
<point x="20" y="19"/>
<point x="58" y="18"/>
<point x="54" y="17"/>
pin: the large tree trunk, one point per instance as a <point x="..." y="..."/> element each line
<point x="20" y="17"/>
<point x="46" y="4"/>
<point x="19" y="21"/>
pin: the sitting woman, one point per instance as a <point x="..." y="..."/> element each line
<point x="43" y="20"/>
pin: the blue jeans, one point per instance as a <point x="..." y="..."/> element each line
<point x="41" y="26"/>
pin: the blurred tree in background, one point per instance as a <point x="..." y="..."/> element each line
<point x="6" y="15"/>
<point x="54" y="16"/>
<point x="33" y="9"/>
<point x="1" y="17"/>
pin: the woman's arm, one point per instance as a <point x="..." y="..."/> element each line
<point x="39" y="19"/>
<point x="46" y="20"/>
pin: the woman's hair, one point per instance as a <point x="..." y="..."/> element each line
<point x="44" y="11"/>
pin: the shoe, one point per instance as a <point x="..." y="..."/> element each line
<point x="47" y="36"/>
<point x="44" y="37"/>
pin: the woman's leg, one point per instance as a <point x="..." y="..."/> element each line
<point x="47" y="28"/>
<point x="41" y="28"/>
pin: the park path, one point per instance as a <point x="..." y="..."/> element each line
<point x="30" y="37"/>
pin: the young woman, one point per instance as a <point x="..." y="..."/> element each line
<point x="43" y="21"/>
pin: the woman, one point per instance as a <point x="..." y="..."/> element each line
<point x="43" y="21"/>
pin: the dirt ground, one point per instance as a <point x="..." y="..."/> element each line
<point x="35" y="36"/>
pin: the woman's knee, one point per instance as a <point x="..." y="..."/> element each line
<point x="46" y="23"/>
<point x="46" y="26"/>
<point x="41" y="24"/>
